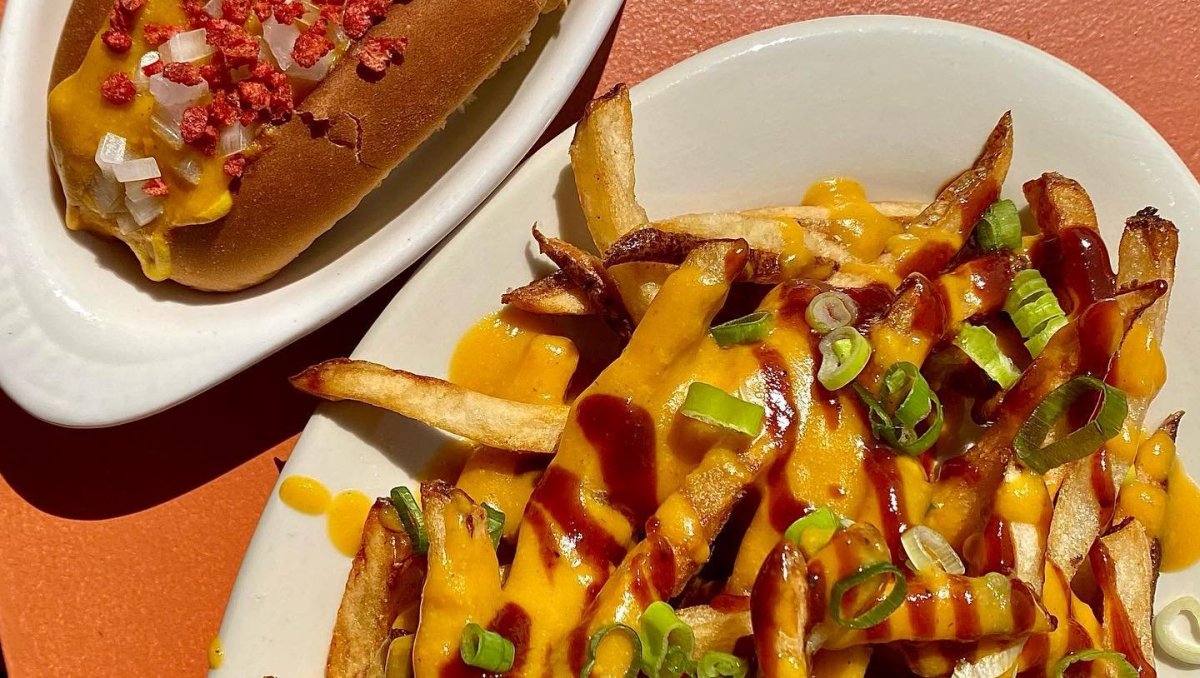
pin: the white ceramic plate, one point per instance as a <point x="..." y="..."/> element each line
<point x="901" y="103"/>
<point x="86" y="340"/>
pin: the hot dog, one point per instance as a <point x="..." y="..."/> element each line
<point x="218" y="139"/>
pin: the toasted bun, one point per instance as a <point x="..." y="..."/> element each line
<point x="346" y="136"/>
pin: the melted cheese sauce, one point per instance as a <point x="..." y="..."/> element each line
<point x="344" y="512"/>
<point x="855" y="221"/>
<point x="515" y="355"/>
<point x="80" y="117"/>
<point x="216" y="653"/>
<point x="1141" y="369"/>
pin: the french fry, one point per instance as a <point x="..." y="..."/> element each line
<point x="384" y="580"/>
<point x="588" y="273"/>
<point x="1124" y="565"/>
<point x="495" y="422"/>
<point x="555" y="294"/>
<point x="460" y="551"/>
<point x="779" y="609"/>
<point x="1058" y="203"/>
<point x="603" y="165"/>
<point x="716" y="630"/>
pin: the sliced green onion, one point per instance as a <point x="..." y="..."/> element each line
<point x="1037" y="343"/>
<point x="667" y="642"/>
<point x="1000" y="227"/>
<point x="495" y="519"/>
<point x="844" y="354"/>
<point x="905" y="402"/>
<point x="411" y="517"/>
<point x="745" y="330"/>
<point x="981" y="347"/>
<point x="1034" y="310"/>
<point x="929" y="551"/>
<point x="485" y="649"/>
<point x="1180" y="644"/>
<point x="1104" y="424"/>
<point x="635" y="664"/>
<point x="1124" y="668"/>
<point x="831" y="310"/>
<point x="721" y="665"/>
<point x="813" y="531"/>
<point x="711" y="405"/>
<point x="880" y="610"/>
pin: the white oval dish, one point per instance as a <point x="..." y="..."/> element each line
<point x="900" y="103"/>
<point x="86" y="340"/>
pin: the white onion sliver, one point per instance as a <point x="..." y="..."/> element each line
<point x="314" y="73"/>
<point x="175" y="97"/>
<point x="107" y="193"/>
<point x="234" y="139"/>
<point x="213" y="9"/>
<point x="110" y="152"/>
<point x="140" y="169"/>
<point x="144" y="211"/>
<point x="189" y="170"/>
<point x="126" y="223"/>
<point x="187" y="46"/>
<point x="281" y="38"/>
<point x="164" y="124"/>
<point x="927" y="549"/>
<point x="993" y="665"/>
<point x="1180" y="644"/>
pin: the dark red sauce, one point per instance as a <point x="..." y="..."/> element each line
<point x="727" y="602"/>
<point x="512" y="622"/>
<point x="558" y="497"/>
<point x="880" y="468"/>
<point x="779" y="399"/>
<point x="623" y="435"/>
<point x="1103" y="488"/>
<point x="966" y="612"/>
<point x="922" y="610"/>
<point x="997" y="551"/>
<point x="1024" y="608"/>
<point x="1076" y="264"/>
<point x="928" y="316"/>
<point x="930" y="259"/>
<point x="873" y="300"/>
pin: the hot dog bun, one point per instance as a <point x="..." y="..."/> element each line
<point x="344" y="137"/>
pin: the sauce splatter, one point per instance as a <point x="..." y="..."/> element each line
<point x="305" y="494"/>
<point x="216" y="653"/>
<point x="344" y="521"/>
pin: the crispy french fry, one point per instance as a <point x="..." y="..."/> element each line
<point x="588" y="273"/>
<point x="1058" y="203"/>
<point x="602" y="161"/>
<point x="492" y="421"/>
<point x="639" y="282"/>
<point x="460" y="551"/>
<point x="716" y="630"/>
<point x="779" y="609"/>
<point x="385" y="578"/>
<point x="555" y="294"/>
<point x="1124" y="565"/>
<point x="810" y="216"/>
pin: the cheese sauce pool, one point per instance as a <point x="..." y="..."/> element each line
<point x="344" y="512"/>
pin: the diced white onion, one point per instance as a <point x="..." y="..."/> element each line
<point x="234" y="139"/>
<point x="187" y="46"/>
<point x="140" y="79"/>
<point x="107" y="193"/>
<point x="143" y="211"/>
<point x="127" y="224"/>
<point x="174" y="97"/>
<point x="1178" y="640"/>
<point x="991" y="666"/>
<point x="166" y="126"/>
<point x="313" y="73"/>
<point x="110" y="152"/>
<point x="213" y="9"/>
<point x="281" y="38"/>
<point x="929" y="550"/>
<point x="189" y="170"/>
<point x="140" y="169"/>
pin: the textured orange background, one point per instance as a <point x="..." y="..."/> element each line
<point x="119" y="547"/>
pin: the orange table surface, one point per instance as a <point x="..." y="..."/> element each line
<point x="119" y="546"/>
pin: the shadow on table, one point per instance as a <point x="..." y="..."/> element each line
<point x="95" y="474"/>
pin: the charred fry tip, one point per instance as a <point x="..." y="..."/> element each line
<point x="308" y="379"/>
<point x="1170" y="425"/>
<point x="618" y="90"/>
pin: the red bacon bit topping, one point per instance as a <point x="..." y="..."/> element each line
<point x="254" y="95"/>
<point x="197" y="131"/>
<point x="118" y="88"/>
<point x="117" y="41"/>
<point x="130" y="6"/>
<point x="360" y="15"/>
<point x="287" y="11"/>
<point x="153" y="68"/>
<point x="312" y="45"/>
<point x="236" y="11"/>
<point x="235" y="165"/>
<point x="194" y="10"/>
<point x="183" y="73"/>
<point x="261" y="9"/>
<point x="235" y="45"/>
<point x="155" y="187"/>
<point x="157" y="34"/>
<point x="377" y="53"/>
<point x="225" y="108"/>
